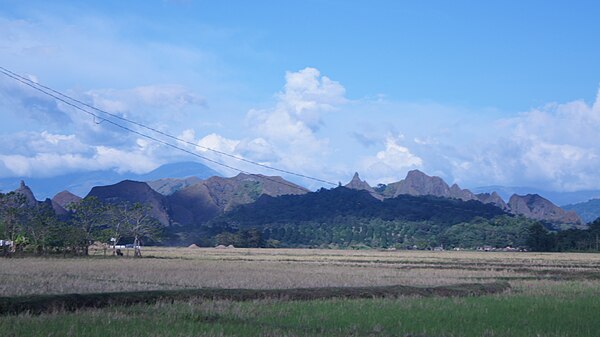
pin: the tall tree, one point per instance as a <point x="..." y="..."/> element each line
<point x="12" y="219"/>
<point x="142" y="226"/>
<point x="89" y="215"/>
<point x="119" y="222"/>
<point x="41" y="227"/>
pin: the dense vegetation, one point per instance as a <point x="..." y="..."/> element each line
<point x="38" y="229"/>
<point x="326" y="204"/>
<point x="540" y="239"/>
<point x="336" y="218"/>
<point x="345" y="218"/>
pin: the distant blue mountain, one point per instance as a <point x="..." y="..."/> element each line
<point x="588" y="211"/>
<point x="81" y="183"/>
<point x="559" y="198"/>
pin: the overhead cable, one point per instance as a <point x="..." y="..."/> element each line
<point x="37" y="86"/>
<point x="72" y="102"/>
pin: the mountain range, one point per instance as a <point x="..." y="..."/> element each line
<point x="191" y="201"/>
<point x="559" y="198"/>
<point x="418" y="183"/>
<point x="588" y="211"/>
<point x="422" y="209"/>
<point x="81" y="183"/>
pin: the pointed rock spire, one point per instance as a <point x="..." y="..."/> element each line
<point x="26" y="192"/>
<point x="357" y="184"/>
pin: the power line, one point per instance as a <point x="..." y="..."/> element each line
<point x="64" y="99"/>
<point x="35" y="85"/>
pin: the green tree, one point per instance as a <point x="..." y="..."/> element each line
<point x="41" y="228"/>
<point x="119" y="221"/>
<point x="141" y="226"/>
<point x="90" y="216"/>
<point x="539" y="239"/>
<point x="12" y="219"/>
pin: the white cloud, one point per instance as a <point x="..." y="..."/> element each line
<point x="84" y="142"/>
<point x="553" y="147"/>
<point x="306" y="94"/>
<point x="29" y="143"/>
<point x="290" y="130"/>
<point x="217" y="142"/>
<point x="187" y="135"/>
<point x="51" y="163"/>
<point x="285" y="135"/>
<point x="258" y="149"/>
<point x="390" y="164"/>
<point x="136" y="161"/>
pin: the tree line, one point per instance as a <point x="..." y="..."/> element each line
<point x="349" y="231"/>
<point x="357" y="232"/>
<point x="583" y="240"/>
<point x="38" y="229"/>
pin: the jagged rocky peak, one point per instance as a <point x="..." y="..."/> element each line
<point x="357" y="184"/>
<point x="536" y="207"/>
<point x="459" y="193"/>
<point x="492" y="198"/>
<point x="26" y="192"/>
<point x="418" y="183"/>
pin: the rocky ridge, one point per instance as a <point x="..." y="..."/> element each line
<point x="357" y="184"/>
<point x="536" y="207"/>
<point x="418" y="183"/>
<point x="197" y="201"/>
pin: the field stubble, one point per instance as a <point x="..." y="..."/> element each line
<point x="184" y="268"/>
<point x="551" y="295"/>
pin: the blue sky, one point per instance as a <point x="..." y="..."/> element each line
<point x="475" y="92"/>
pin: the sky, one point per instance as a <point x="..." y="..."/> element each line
<point x="478" y="93"/>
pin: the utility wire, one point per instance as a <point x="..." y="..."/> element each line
<point x="56" y="95"/>
<point x="35" y="85"/>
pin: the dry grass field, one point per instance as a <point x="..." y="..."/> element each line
<point x="186" y="268"/>
<point x="551" y="294"/>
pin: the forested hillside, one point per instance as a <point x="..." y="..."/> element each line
<point x="344" y="217"/>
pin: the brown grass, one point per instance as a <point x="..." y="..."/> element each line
<point x="183" y="268"/>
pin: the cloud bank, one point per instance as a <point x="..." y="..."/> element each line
<point x="311" y="128"/>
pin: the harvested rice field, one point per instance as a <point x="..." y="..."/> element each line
<point x="302" y="292"/>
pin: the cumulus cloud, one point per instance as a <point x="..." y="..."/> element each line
<point x="258" y="149"/>
<point x="553" y="147"/>
<point x="28" y="143"/>
<point x="83" y="142"/>
<point x="217" y="142"/>
<point x="390" y="164"/>
<point x="289" y="131"/>
<point x="307" y="94"/>
<point x="286" y="134"/>
<point x="49" y="161"/>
